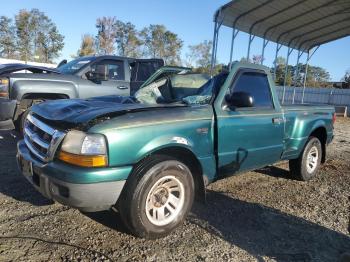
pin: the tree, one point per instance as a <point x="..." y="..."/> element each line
<point x="346" y="77"/>
<point x="127" y="39"/>
<point x="281" y="70"/>
<point x="7" y="37"/>
<point x="199" y="56"/>
<point x="316" y="76"/>
<point x="24" y="34"/>
<point x="50" y="44"/>
<point x="258" y="59"/>
<point x="87" y="46"/>
<point x="37" y="36"/>
<point x="160" y="42"/>
<point x="245" y="60"/>
<point x="106" y="35"/>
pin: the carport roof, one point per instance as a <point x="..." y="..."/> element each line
<point x="299" y="24"/>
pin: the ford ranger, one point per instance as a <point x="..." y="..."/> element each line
<point x="150" y="155"/>
<point x="83" y="77"/>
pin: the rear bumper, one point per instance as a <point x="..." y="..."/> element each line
<point x="87" y="197"/>
<point x="7" y="111"/>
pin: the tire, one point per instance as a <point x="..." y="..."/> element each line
<point x="307" y="165"/>
<point x="159" y="184"/>
<point x="22" y="119"/>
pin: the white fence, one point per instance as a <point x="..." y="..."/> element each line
<point x="312" y="95"/>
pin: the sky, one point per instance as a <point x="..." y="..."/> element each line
<point x="192" y="20"/>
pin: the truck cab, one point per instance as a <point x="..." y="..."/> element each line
<point x="83" y="77"/>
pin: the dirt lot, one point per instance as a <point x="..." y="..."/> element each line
<point x="256" y="216"/>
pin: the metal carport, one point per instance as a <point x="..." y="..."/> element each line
<point x="300" y="25"/>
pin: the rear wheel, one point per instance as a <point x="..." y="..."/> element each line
<point x="157" y="197"/>
<point x="306" y="166"/>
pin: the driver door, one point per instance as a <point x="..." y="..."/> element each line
<point x="106" y="77"/>
<point x="252" y="137"/>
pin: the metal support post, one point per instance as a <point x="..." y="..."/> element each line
<point x="234" y="35"/>
<point x="265" y="42"/>
<point x="278" y="47"/>
<point x="309" y="56"/>
<point x="251" y="38"/>
<point x="213" y="49"/>
<point x="300" y="53"/>
<point x="305" y="75"/>
<point x="290" y="50"/>
<point x="215" y="45"/>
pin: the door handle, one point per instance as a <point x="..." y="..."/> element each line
<point x="122" y="87"/>
<point x="277" y="120"/>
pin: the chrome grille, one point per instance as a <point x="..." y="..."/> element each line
<point x="41" y="139"/>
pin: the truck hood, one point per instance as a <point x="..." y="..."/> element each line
<point x="12" y="68"/>
<point x="78" y="111"/>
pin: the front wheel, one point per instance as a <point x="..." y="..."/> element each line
<point x="158" y="197"/>
<point x="306" y="166"/>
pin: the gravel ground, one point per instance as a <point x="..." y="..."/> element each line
<point x="257" y="216"/>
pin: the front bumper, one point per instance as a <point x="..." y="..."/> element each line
<point x="7" y="111"/>
<point x="60" y="182"/>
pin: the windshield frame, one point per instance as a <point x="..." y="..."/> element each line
<point x="88" y="60"/>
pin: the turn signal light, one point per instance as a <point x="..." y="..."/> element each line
<point x="83" y="160"/>
<point x="334" y="118"/>
<point x="4" y="84"/>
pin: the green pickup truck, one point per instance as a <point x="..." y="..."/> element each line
<point x="150" y="155"/>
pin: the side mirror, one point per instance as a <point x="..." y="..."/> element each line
<point x="239" y="99"/>
<point x="63" y="62"/>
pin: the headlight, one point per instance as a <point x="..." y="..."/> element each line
<point x="87" y="150"/>
<point x="4" y="87"/>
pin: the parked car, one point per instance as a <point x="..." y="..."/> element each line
<point x="81" y="78"/>
<point x="151" y="154"/>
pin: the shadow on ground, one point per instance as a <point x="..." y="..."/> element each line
<point x="267" y="232"/>
<point x="275" y="171"/>
<point x="109" y="218"/>
<point x="13" y="184"/>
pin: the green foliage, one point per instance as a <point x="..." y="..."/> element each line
<point x="162" y="43"/>
<point x="316" y="76"/>
<point x="152" y="41"/>
<point x="37" y="36"/>
<point x="7" y="37"/>
<point x="257" y="59"/>
<point x="346" y="77"/>
<point x="245" y="60"/>
<point x="24" y="31"/>
<point x="49" y="44"/>
<point x="127" y="39"/>
<point x="199" y="56"/>
<point x="87" y="46"/>
<point x="106" y="35"/>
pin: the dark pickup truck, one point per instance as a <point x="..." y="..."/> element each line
<point x="81" y="78"/>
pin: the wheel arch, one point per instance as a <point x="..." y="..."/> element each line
<point x="185" y="155"/>
<point x="320" y="132"/>
<point x="27" y="100"/>
<point x="45" y="96"/>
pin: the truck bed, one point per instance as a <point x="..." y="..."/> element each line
<point x="299" y="118"/>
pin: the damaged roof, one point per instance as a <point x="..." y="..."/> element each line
<point x="299" y="24"/>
